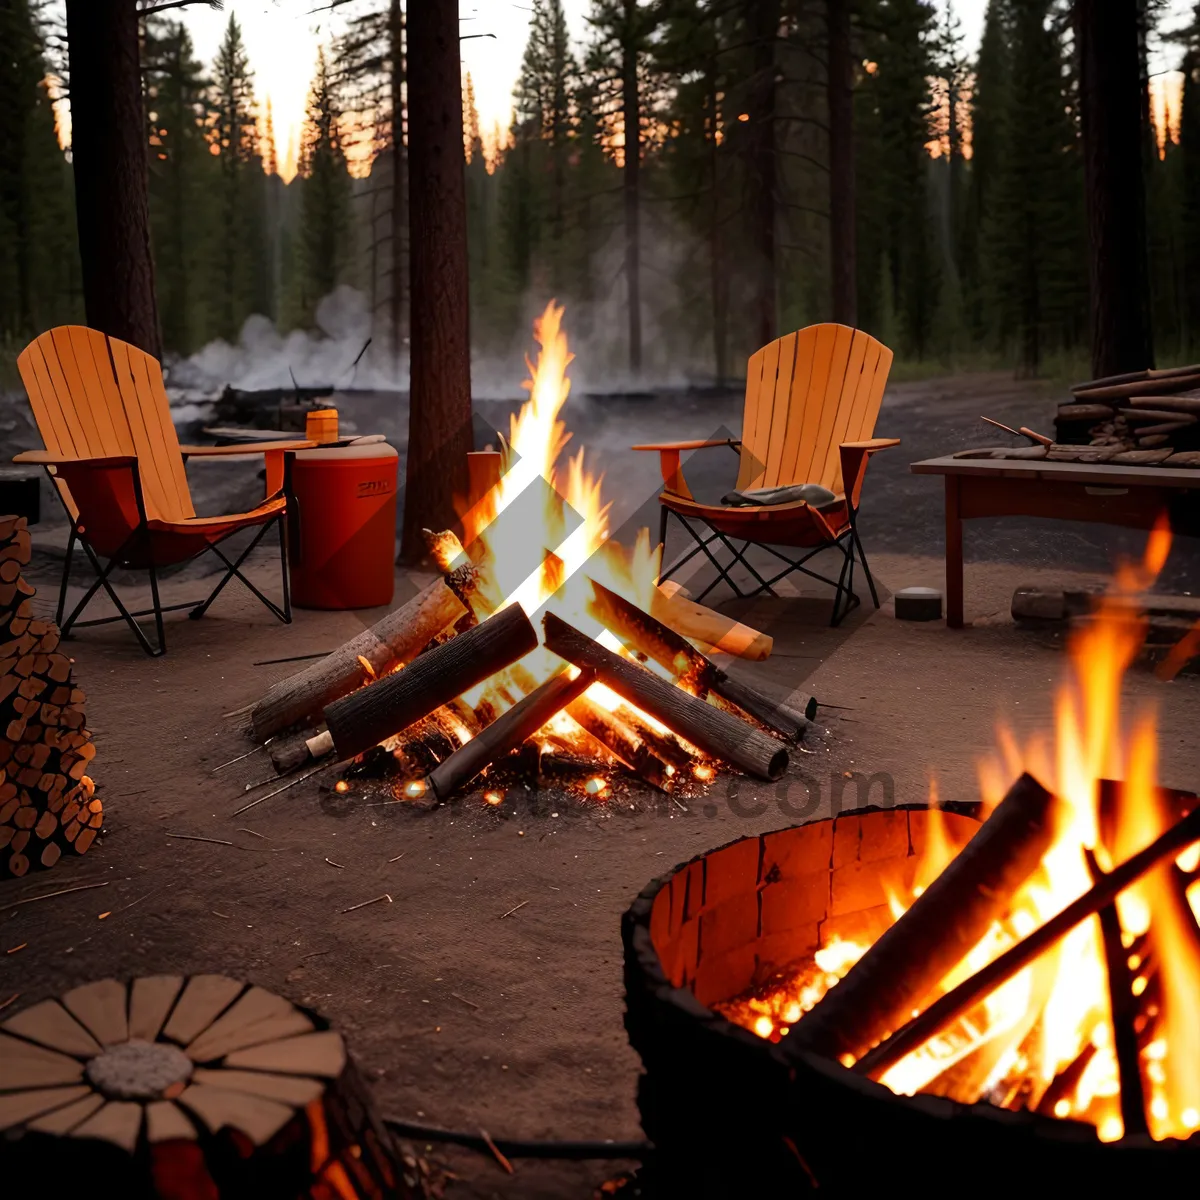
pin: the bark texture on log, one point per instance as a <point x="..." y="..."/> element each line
<point x="623" y="742"/>
<point x="111" y="171"/>
<point x="641" y="632"/>
<point x="398" y="637"/>
<point x="190" y="1087"/>
<point x="898" y="973"/>
<point x="1110" y="109"/>
<point x="47" y="802"/>
<point x="366" y="717"/>
<point x="439" y="423"/>
<point x="715" y="732"/>
<point x="508" y="731"/>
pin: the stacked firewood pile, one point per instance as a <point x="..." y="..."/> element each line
<point x="47" y="805"/>
<point x="1153" y="416"/>
<point x="403" y="684"/>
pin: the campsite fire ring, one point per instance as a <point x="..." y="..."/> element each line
<point x="734" y="1113"/>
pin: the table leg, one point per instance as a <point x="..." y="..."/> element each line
<point x="954" y="554"/>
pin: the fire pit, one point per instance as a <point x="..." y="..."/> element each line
<point x="812" y="1006"/>
<point x="543" y="644"/>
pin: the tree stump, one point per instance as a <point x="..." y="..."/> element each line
<point x="189" y="1089"/>
<point x="47" y="802"/>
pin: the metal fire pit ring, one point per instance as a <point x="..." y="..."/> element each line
<point x="732" y="1114"/>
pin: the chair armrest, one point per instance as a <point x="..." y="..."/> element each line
<point x="54" y="458"/>
<point x="242" y="448"/>
<point x="700" y="445"/>
<point x="668" y="460"/>
<point x="855" y="456"/>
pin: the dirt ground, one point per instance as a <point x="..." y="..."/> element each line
<point x="488" y="993"/>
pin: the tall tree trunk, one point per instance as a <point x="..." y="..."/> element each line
<point x="764" y="29"/>
<point x="399" y="211"/>
<point x="1111" y="120"/>
<point x="631" y="110"/>
<point x="108" y="154"/>
<point x="842" y="201"/>
<point x="439" y="421"/>
<point x="717" y="264"/>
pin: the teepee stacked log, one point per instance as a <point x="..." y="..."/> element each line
<point x="47" y="801"/>
<point x="189" y="1089"/>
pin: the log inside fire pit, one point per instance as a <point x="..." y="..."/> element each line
<point x="732" y="1114"/>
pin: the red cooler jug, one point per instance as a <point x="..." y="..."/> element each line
<point x="342" y="542"/>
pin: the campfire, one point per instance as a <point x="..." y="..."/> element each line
<point x="614" y="677"/>
<point x="983" y="976"/>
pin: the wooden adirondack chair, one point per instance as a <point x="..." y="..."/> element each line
<point x="115" y="459"/>
<point x="811" y="402"/>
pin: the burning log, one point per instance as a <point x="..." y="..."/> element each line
<point x="308" y="746"/>
<point x="1123" y="1009"/>
<point x="715" y="732"/>
<point x="693" y="620"/>
<point x="398" y="637"/>
<point x="366" y="717"/>
<point x="47" y="801"/>
<point x="644" y="633"/>
<point x="508" y="731"/>
<point x="897" y="974"/>
<point x="954" y="1003"/>
<point x="1063" y="1085"/>
<point x="621" y="741"/>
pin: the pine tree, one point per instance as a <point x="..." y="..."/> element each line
<point x="240" y="277"/>
<point x="899" y="234"/>
<point x="323" y="243"/>
<point x="39" y="272"/>
<point x="621" y="36"/>
<point x="542" y="122"/>
<point x="181" y="176"/>
<point x="1189" y="190"/>
<point x="1035" y="251"/>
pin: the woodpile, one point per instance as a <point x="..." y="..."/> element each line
<point x="1154" y="414"/>
<point x="47" y="801"/>
<point x="199" y="1087"/>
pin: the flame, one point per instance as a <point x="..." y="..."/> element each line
<point x="1056" y="1012"/>
<point x="571" y="533"/>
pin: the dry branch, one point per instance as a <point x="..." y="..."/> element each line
<point x="715" y="732"/>
<point x="646" y="634"/>
<point x="398" y="637"/>
<point x="366" y="717"/>
<point x="899" y="972"/>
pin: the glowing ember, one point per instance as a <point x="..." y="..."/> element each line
<point x="414" y="789"/>
<point x="595" y="785"/>
<point x="703" y="771"/>
<point x="493" y="798"/>
<point x="341" y="786"/>
<point x="1055" y="1014"/>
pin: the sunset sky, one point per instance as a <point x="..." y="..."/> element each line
<point x="282" y="37"/>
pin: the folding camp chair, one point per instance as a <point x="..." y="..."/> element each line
<point x="811" y="402"/>
<point x="118" y="467"/>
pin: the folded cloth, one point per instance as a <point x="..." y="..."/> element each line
<point x="811" y="493"/>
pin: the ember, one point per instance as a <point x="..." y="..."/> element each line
<point x="1046" y="1009"/>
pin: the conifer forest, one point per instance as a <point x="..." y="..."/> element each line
<point x="691" y="178"/>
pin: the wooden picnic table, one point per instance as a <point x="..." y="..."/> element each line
<point x="1134" y="497"/>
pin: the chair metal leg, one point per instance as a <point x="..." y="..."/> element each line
<point x="234" y="570"/>
<point x="158" y="612"/>
<point x="862" y="557"/>
<point x="663" y="513"/>
<point x="66" y="578"/>
<point x="285" y="570"/>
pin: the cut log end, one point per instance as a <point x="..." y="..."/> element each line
<point x="208" y="1079"/>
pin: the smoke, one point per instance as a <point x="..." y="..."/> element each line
<point x="263" y="357"/>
